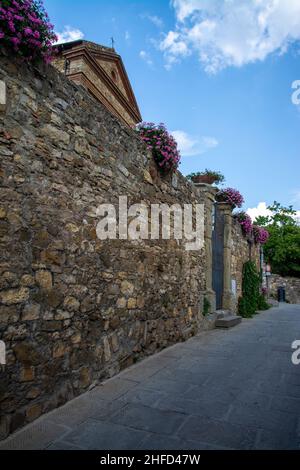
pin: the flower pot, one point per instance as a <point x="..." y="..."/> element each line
<point x="222" y="198"/>
<point x="207" y="179"/>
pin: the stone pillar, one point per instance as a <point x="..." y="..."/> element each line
<point x="228" y="300"/>
<point x="208" y="193"/>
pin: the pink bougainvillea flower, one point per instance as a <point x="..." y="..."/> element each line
<point x="245" y="221"/>
<point x="28" y="32"/>
<point x="231" y="196"/>
<point x="261" y="235"/>
<point x="162" y="144"/>
<point x="18" y="17"/>
<point x="25" y="29"/>
<point x="15" y="41"/>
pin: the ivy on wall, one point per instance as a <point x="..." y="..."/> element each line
<point x="252" y="299"/>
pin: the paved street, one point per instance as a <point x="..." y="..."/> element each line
<point x="235" y="389"/>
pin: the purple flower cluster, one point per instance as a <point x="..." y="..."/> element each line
<point x="245" y="221"/>
<point x="260" y="234"/>
<point x="25" y="28"/>
<point x="232" y="196"/>
<point x="264" y="291"/>
<point x="162" y="144"/>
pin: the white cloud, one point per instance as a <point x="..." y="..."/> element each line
<point x="69" y="34"/>
<point x="231" y="32"/>
<point x="190" y="146"/>
<point x="261" y="209"/>
<point x="158" y="22"/>
<point x="154" y="19"/>
<point x="146" y="58"/>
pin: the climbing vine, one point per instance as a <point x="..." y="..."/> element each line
<point x="252" y="299"/>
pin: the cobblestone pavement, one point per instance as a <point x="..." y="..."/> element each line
<point x="235" y="389"/>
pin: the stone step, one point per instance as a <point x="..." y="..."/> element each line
<point x="228" y="322"/>
<point x="223" y="314"/>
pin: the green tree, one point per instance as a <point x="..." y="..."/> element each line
<point x="282" y="250"/>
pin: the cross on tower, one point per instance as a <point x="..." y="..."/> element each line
<point x="112" y="42"/>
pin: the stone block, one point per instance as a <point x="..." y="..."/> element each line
<point x="131" y="304"/>
<point x="127" y="288"/>
<point x="14" y="296"/>
<point x="33" y="393"/>
<point x="76" y="338"/>
<point x="33" y="412"/>
<point x="31" y="312"/>
<point x="27" y="280"/>
<point x="27" y="353"/>
<point x="27" y="374"/>
<point x="147" y="177"/>
<point x="59" y="350"/>
<point x="121" y="303"/>
<point x="2" y="95"/>
<point x="71" y="304"/>
<point x="115" y="343"/>
<point x="44" y="279"/>
<point x="107" y="352"/>
<point x="8" y="314"/>
<point x="85" y="376"/>
<point x="56" y="135"/>
<point x="63" y="315"/>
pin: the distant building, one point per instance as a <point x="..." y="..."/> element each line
<point x="101" y="71"/>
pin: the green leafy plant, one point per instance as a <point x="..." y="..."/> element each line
<point x="207" y="176"/>
<point x="206" y="306"/>
<point x="252" y="299"/>
<point x="282" y="248"/>
<point x="262" y="304"/>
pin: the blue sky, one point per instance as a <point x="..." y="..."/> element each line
<point x="220" y="77"/>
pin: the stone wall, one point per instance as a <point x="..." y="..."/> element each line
<point x="242" y="251"/>
<point x="73" y="309"/>
<point x="291" y="284"/>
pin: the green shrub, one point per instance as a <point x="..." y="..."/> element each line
<point x="206" y="306"/>
<point x="243" y="309"/>
<point x="262" y="304"/>
<point x="252" y="300"/>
